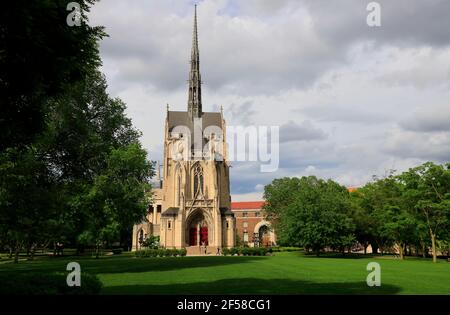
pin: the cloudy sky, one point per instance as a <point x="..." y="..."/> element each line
<point x="351" y="100"/>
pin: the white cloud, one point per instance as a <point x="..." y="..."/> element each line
<point x="367" y="100"/>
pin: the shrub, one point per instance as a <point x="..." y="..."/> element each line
<point x="30" y="283"/>
<point x="161" y="252"/>
<point x="234" y="251"/>
<point x="245" y="251"/>
<point x="151" y="242"/>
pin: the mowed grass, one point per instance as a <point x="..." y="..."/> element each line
<point x="283" y="273"/>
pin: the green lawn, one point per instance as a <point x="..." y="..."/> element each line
<point x="283" y="273"/>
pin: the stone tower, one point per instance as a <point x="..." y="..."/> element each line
<point x="193" y="206"/>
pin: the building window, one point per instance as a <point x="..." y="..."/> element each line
<point x="198" y="180"/>
<point x="169" y="225"/>
<point x="257" y="214"/>
<point x="245" y="237"/>
<point x="244" y="214"/>
<point x="228" y="226"/>
<point x="178" y="190"/>
<point x="245" y="224"/>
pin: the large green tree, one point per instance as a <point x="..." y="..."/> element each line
<point x="27" y="198"/>
<point x="40" y="57"/>
<point x="427" y="188"/>
<point x="117" y="198"/>
<point x="84" y="128"/>
<point x="371" y="211"/>
<point x="310" y="212"/>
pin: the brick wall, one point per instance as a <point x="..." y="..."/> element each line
<point x="248" y="215"/>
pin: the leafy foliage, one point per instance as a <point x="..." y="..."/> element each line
<point x="310" y="212"/>
<point x="411" y="209"/>
<point x="40" y="57"/>
<point x="72" y="168"/>
<point x="161" y="252"/>
<point x="151" y="242"/>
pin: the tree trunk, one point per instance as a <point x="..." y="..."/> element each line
<point x="16" y="255"/>
<point x="10" y="252"/>
<point x="422" y="243"/>
<point x="365" y="249"/>
<point x="374" y="249"/>
<point x="433" y="246"/>
<point x="400" y="250"/>
<point x="33" y="250"/>
<point x="97" y="251"/>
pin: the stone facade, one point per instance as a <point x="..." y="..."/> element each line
<point x="191" y="206"/>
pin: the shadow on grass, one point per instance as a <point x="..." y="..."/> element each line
<point x="253" y="286"/>
<point x="128" y="264"/>
<point x="338" y="255"/>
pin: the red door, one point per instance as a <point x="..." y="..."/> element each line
<point x="193" y="236"/>
<point x="204" y="236"/>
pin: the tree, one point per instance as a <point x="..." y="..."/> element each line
<point x="398" y="226"/>
<point x="428" y="187"/>
<point x="63" y="165"/>
<point x="40" y="57"/>
<point x="279" y="195"/>
<point x="314" y="214"/>
<point x="27" y="198"/>
<point x="117" y="198"/>
<point x="370" y="204"/>
<point x="62" y="136"/>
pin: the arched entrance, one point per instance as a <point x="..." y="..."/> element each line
<point x="197" y="229"/>
<point x="264" y="235"/>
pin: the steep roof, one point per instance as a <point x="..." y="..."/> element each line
<point x="179" y="118"/>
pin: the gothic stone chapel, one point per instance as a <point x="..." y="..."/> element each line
<point x="191" y="206"/>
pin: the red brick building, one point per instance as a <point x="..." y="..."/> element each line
<point x="251" y="228"/>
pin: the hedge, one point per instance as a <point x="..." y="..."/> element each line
<point x="285" y="249"/>
<point x="160" y="252"/>
<point x="32" y="283"/>
<point x="245" y="251"/>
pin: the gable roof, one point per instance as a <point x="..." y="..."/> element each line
<point x="179" y="118"/>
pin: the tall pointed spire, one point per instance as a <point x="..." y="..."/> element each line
<point x="195" y="89"/>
